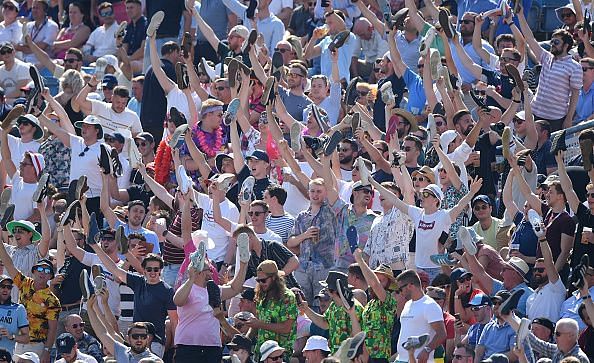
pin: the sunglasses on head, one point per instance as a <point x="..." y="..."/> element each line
<point x="152" y="269"/>
<point x="45" y="270"/>
<point x="138" y="336"/>
<point x="255" y="213"/>
<point x="84" y="151"/>
<point x="509" y="59"/>
<point x="76" y="326"/>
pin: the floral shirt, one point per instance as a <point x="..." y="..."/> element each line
<point x="346" y="217"/>
<point x="389" y="239"/>
<point x="274" y="311"/>
<point x="42" y="306"/>
<point x="378" y="319"/>
<point x="339" y="323"/>
<point x="57" y="161"/>
<point x="451" y="197"/>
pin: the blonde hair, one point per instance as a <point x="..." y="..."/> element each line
<point x="74" y="79"/>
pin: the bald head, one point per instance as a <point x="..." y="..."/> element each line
<point x="363" y="28"/>
<point x="75" y="326"/>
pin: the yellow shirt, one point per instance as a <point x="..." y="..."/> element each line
<point x="41" y="305"/>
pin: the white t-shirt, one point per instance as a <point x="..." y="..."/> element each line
<point x="22" y="197"/>
<point x="80" y="357"/>
<point x="296" y="202"/>
<point x="9" y="79"/>
<point x="18" y="148"/>
<point x="415" y="320"/>
<point x="111" y="121"/>
<point x="86" y="164"/>
<point x="546" y="302"/>
<point x="12" y="33"/>
<point x="346" y="175"/>
<point x="276" y="6"/>
<point x="102" y="40"/>
<point x="45" y="33"/>
<point x="176" y="98"/>
<point x="429" y="229"/>
<point x="113" y="287"/>
<point x="124" y="180"/>
<point x="216" y="232"/>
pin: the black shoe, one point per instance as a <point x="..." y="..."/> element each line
<point x="85" y="285"/>
<point x="522" y="156"/>
<point x="250" y="41"/>
<point x="398" y="19"/>
<point x="268" y="94"/>
<point x="214" y="294"/>
<point x="351" y="94"/>
<point x="105" y="159"/>
<point x="314" y="143"/>
<point x="558" y="143"/>
<point x="37" y="79"/>
<point x="69" y="214"/>
<point x="121" y="240"/>
<point x="41" y="190"/>
<point x="480" y="102"/>
<point x="186" y="44"/>
<point x="446" y="24"/>
<point x="498" y="127"/>
<point x="355" y="122"/>
<point x="339" y="40"/>
<point x="7" y="217"/>
<point x="511" y="303"/>
<point x="93" y="235"/>
<point x="345" y="293"/>
<point x="117" y="164"/>
<point x="177" y="117"/>
<point x="10" y="119"/>
<point x="512" y="71"/>
<point x="251" y="9"/>
<point x="71" y="196"/>
<point x="277" y="65"/>
<point x="332" y="143"/>
<point x="81" y="187"/>
<point x="181" y="74"/>
<point x="232" y="68"/>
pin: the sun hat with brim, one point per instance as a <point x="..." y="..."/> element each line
<point x="31" y="119"/>
<point x="29" y="226"/>
<point x="386" y="271"/>
<point x="90" y="120"/>
<point x="316" y="342"/>
<point x="519" y="265"/>
<point x="408" y="117"/>
<point x="33" y="357"/>
<point x="269" y="347"/>
<point x="426" y="172"/>
<point x="219" y="161"/>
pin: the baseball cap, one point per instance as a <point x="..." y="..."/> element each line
<point x="240" y="30"/>
<point x="4" y="278"/>
<point x="146" y="136"/>
<point x="480" y="300"/>
<point x="240" y="341"/>
<point x="65" y="342"/>
<point x="258" y="155"/>
<point x="269" y="267"/>
<point x="33" y="357"/>
<point x="248" y="293"/>
<point x="481" y="198"/>
<point x="458" y="273"/>
<point x="316" y="342"/>
<point x="109" y="81"/>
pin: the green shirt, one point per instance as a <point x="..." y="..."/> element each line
<point x="490" y="235"/>
<point x="437" y="42"/>
<point x="378" y="319"/>
<point x="278" y="311"/>
<point x="339" y="323"/>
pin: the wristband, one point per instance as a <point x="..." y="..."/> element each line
<point x="587" y="297"/>
<point x="90" y="85"/>
<point x="514" y="101"/>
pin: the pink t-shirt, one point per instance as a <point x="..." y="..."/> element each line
<point x="197" y="325"/>
<point x="182" y="275"/>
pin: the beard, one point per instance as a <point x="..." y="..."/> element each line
<point x="346" y="160"/>
<point x="556" y="51"/>
<point x="137" y="350"/>
<point x="538" y="280"/>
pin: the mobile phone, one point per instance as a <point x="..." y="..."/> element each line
<point x="299" y="298"/>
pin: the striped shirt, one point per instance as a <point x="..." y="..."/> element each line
<point x="281" y="225"/>
<point x="172" y="254"/>
<point x="558" y="78"/>
<point x="23" y="258"/>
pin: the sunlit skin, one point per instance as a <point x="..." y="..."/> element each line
<point x="559" y="48"/>
<point x="541" y="331"/>
<point x="27" y="170"/>
<point x="22" y="236"/>
<point x="317" y="194"/>
<point x="294" y="78"/>
<point x="152" y="277"/>
<point x="71" y="322"/>
<point x="235" y="41"/>
<point x="319" y="90"/>
<point x="136" y="216"/>
<point x="465" y="125"/>
<point x="9" y="12"/>
<point x="258" y="217"/>
<point x="420" y="181"/>
<point x="89" y="133"/>
<point x="140" y="344"/>
<point x="258" y="168"/>
<point x="211" y="120"/>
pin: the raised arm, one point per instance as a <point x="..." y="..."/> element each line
<point x="508" y="200"/>
<point x="6" y="154"/>
<point x="311" y="49"/>
<point x="447" y="164"/>
<point x="484" y="280"/>
<point x="7" y="261"/>
<point x="417" y="21"/>
<point x="46" y="233"/>
<point x="238" y="159"/>
<point x="106" y="339"/>
<point x="477" y="41"/>
<point x="566" y="184"/>
<point x="197" y="160"/>
<point x="64" y="120"/>
<point x="110" y="264"/>
<point x="532" y="42"/>
<point x="547" y="255"/>
<point x="533" y="199"/>
<point x="166" y="83"/>
<point x="370" y="276"/>
<point x="463" y="203"/>
<point x="531" y="141"/>
<point x="158" y="190"/>
<point x="391" y="197"/>
<point x="108" y="213"/>
<point x="378" y="25"/>
<point x="397" y="63"/>
<point x="206" y="30"/>
<point x="43" y="58"/>
<point x="468" y="63"/>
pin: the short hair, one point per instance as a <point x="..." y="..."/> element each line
<point x="515" y="52"/>
<point x="409" y="277"/>
<point x="317" y="181"/>
<point x="322" y="77"/>
<point x="137" y="325"/>
<point x="392" y="186"/>
<point x="467" y="349"/>
<point x="210" y="103"/>
<point x="278" y="192"/>
<point x="558" y="188"/>
<point x="169" y="47"/>
<point x="244" y="228"/>
<point x="44" y="3"/>
<point x="384" y="144"/>
<point x="134" y="203"/>
<point x="571" y="323"/>
<point x="338" y="13"/>
<point x="121" y="91"/>
<point x="139" y="79"/>
<point x="565" y="36"/>
<point x="355" y="270"/>
<point x="139" y="236"/>
<point x="458" y="115"/>
<point x="416" y="140"/>
<point x="353" y="143"/>
<point x="152" y="257"/>
<point x="505" y="38"/>
<point x="75" y="51"/>
<point x="260" y="203"/>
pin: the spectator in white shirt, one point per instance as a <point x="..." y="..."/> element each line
<point x="42" y="30"/>
<point x="102" y="40"/>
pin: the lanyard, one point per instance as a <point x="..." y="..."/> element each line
<point x="36" y="33"/>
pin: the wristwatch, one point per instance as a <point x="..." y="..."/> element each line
<point x="164" y="234"/>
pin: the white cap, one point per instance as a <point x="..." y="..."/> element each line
<point x="316" y="342"/>
<point x="269" y="347"/>
<point x="435" y="190"/>
<point x="446" y="138"/>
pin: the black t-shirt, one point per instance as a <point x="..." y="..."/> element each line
<point x="173" y="10"/>
<point x="585" y="219"/>
<point x="503" y="85"/>
<point x="223" y="51"/>
<point x="487" y="156"/>
<point x="398" y="87"/>
<point x="154" y="102"/>
<point x="69" y="291"/>
<point x="139" y="192"/>
<point x="259" y="186"/>
<point x="135" y="34"/>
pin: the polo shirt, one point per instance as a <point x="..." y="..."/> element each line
<point x="371" y="49"/>
<point x="409" y="51"/>
<point x="497" y="338"/>
<point x="135" y="34"/>
<point x="585" y="105"/>
<point x="546" y="301"/>
<point x="474" y="333"/>
<point x="498" y="285"/>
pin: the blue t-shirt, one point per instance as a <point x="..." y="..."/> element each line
<point x="497" y="338"/>
<point x="524" y="236"/>
<point x="12" y="317"/>
<point x="416" y="93"/>
<point x="585" y="104"/>
<point x="151" y="302"/>
<point x="474" y="333"/>
<point x="151" y="237"/>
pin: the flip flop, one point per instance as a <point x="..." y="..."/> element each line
<point x="247" y="189"/>
<point x="122" y="240"/>
<point x="182" y="78"/>
<point x="558" y="143"/>
<point x="105" y="159"/>
<point x="268" y="93"/>
<point x="295" y="133"/>
<point x="5" y="199"/>
<point x="387" y="94"/>
<point x="332" y="143"/>
<point x="243" y="243"/>
<point x="93" y="234"/>
<point x="277" y="65"/>
<point x="513" y="72"/>
<point x="339" y="40"/>
<point x="7" y="216"/>
<point x="351" y="94"/>
<point x="353" y="238"/>
<point x="355" y="122"/>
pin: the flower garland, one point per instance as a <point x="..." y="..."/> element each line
<point x="163" y="161"/>
<point x="206" y="143"/>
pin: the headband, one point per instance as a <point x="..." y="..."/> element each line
<point x="209" y="109"/>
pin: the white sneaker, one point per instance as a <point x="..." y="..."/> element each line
<point x="536" y="221"/>
<point x="182" y="179"/>
<point x="134" y="155"/>
<point x="364" y="173"/>
<point x="247" y="189"/>
<point x="415" y="342"/>
<point x="387" y="93"/>
<point x="197" y="257"/>
<point x="464" y="235"/>
<point x="243" y="244"/>
<point x="523" y="332"/>
<point x="295" y="132"/>
<point x="156" y="20"/>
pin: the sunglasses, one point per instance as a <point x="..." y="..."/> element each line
<point x="262" y="280"/>
<point x="464" y="279"/>
<point x="365" y="191"/>
<point x="76" y="326"/>
<point x="508" y="59"/>
<point x="466" y="21"/>
<point x="421" y="179"/>
<point x="376" y="70"/>
<point x="538" y="269"/>
<point x="9" y="287"/>
<point x="399" y="289"/>
<point x="152" y="269"/>
<point x="22" y="163"/>
<point x="586" y="69"/>
<point x="70" y="60"/>
<point x="103" y="14"/>
<point x="138" y="336"/>
<point x="556" y="41"/>
<point x="5" y="51"/>
<point x="45" y="270"/>
<point x="20" y="229"/>
<point x="496" y="302"/>
<point x="590" y="195"/>
<point x="420" y="66"/>
<point x="257" y="214"/>
<point x="439" y="123"/>
<point x="476" y="308"/>
<point x="559" y="333"/>
<point x="282" y="50"/>
<point x="84" y="152"/>
<point x="363" y="93"/>
<point x="481" y="207"/>
<point x="143" y="143"/>
<point x="428" y="194"/>
<point x="276" y="358"/>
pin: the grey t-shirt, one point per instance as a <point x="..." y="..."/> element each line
<point x="124" y="354"/>
<point x="215" y="14"/>
<point x="293" y="104"/>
